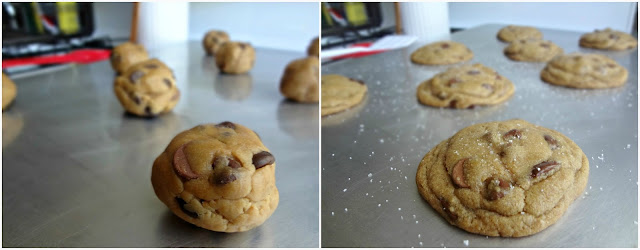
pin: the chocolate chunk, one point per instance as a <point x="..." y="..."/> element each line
<point x="136" y="99"/>
<point x="445" y="46"/>
<point x="613" y="36"/>
<point x="502" y="153"/>
<point x="148" y="110"/>
<point x="514" y="132"/>
<point x="545" y="45"/>
<point x="181" y="204"/>
<point x="359" y="81"/>
<point x="447" y="210"/>
<point x="496" y="188"/>
<point x="473" y="72"/>
<point x="498" y="77"/>
<point x="225" y="179"/>
<point x="226" y="125"/>
<point x="151" y="66"/>
<point x="167" y="82"/>
<point x="458" y="174"/>
<point x="553" y="143"/>
<point x="453" y="103"/>
<point x="136" y="75"/>
<point x="262" y="159"/>
<point x="543" y="167"/>
<point x="181" y="164"/>
<point x="242" y="46"/>
<point x="234" y="164"/>
<point x="611" y="65"/>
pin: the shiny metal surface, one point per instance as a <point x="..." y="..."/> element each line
<point x="370" y="154"/>
<point x="77" y="171"/>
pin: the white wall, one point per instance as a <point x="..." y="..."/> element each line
<point x="565" y="16"/>
<point x="286" y="26"/>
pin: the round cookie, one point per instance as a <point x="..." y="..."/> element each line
<point x="532" y="50"/>
<point x="127" y="54"/>
<point x="438" y="53"/>
<point x="235" y="57"/>
<point x="213" y="40"/>
<point x="9" y="91"/>
<point x="340" y="93"/>
<point x="589" y="71"/>
<point x="147" y="89"/>
<point x="218" y="177"/>
<point x="465" y="87"/>
<point x="608" y="39"/>
<point x="512" y="32"/>
<point x="300" y="80"/>
<point x="508" y="179"/>
<point x="314" y="47"/>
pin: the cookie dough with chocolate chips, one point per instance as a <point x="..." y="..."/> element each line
<point x="532" y="50"/>
<point x="127" y="54"/>
<point x="588" y="71"/>
<point x="300" y="80"/>
<point x="235" y="57"/>
<point x="9" y="91"/>
<point x="513" y="32"/>
<point x="217" y="176"/>
<point x="465" y="87"/>
<point x="340" y="93"/>
<point x="314" y="47"/>
<point x="147" y="89"/>
<point x="213" y="40"/>
<point x="608" y="39"/>
<point x="438" y="53"/>
<point x="508" y="179"/>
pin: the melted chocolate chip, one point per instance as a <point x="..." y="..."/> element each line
<point x="359" y="81"/>
<point x="167" y="82"/>
<point x="136" y="99"/>
<point x="542" y="168"/>
<point x="181" y="203"/>
<point x="148" y="111"/>
<point x="545" y="45"/>
<point x="136" y="75"/>
<point x="226" y="179"/>
<point x="262" y="159"/>
<point x="234" y="164"/>
<point x="226" y="124"/>
<point x="473" y="72"/>
<point x="445" y="46"/>
<point x="553" y="143"/>
<point x="453" y="103"/>
<point x="514" y="132"/>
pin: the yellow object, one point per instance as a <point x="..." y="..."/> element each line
<point x="356" y="13"/>
<point x="68" y="17"/>
<point x="327" y="16"/>
<point x="36" y="17"/>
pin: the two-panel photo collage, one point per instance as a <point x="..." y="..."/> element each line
<point x="320" y="124"/>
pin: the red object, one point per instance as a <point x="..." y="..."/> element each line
<point x="82" y="56"/>
<point x="360" y="54"/>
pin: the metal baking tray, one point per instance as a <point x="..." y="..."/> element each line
<point x="370" y="153"/>
<point x="77" y="170"/>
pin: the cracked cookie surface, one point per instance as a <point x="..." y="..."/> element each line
<point x="509" y="178"/>
<point x="608" y="39"/>
<point x="217" y="176"/>
<point x="532" y="50"/>
<point x="588" y="71"/>
<point x="438" y="53"/>
<point x="465" y="87"/>
<point x="340" y="93"/>
<point x="514" y="32"/>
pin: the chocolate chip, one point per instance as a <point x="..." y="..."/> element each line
<point x="242" y="46"/>
<point x="447" y="210"/>
<point x="148" y="110"/>
<point x="226" y="179"/>
<point x="136" y="75"/>
<point x="445" y="46"/>
<point x="502" y="154"/>
<point x="613" y="36"/>
<point x="545" y="45"/>
<point x="262" y="159"/>
<point x="553" y="143"/>
<point x="181" y="164"/>
<point x="151" y="66"/>
<point x="167" y="82"/>
<point x="471" y="106"/>
<point x="136" y="99"/>
<point x="234" y="164"/>
<point x="359" y="81"/>
<point x="473" y="72"/>
<point x="226" y="125"/>
<point x="214" y="39"/>
<point x="498" y="77"/>
<point x="611" y="65"/>
<point x="181" y="204"/>
<point x="514" y="132"/>
<point x="542" y="168"/>
<point x="453" y="103"/>
<point x="457" y="174"/>
<point x="496" y="188"/>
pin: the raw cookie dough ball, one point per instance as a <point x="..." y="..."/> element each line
<point x="587" y="71"/>
<point x="235" y="57"/>
<point x="446" y="52"/>
<point x="213" y="40"/>
<point x="512" y="32"/>
<point x="532" y="50"/>
<point x="608" y="39"/>
<point x="127" y="54"/>
<point x="340" y="93"/>
<point x="465" y="87"/>
<point x="218" y="177"/>
<point x="147" y="89"/>
<point x="314" y="47"/>
<point x="9" y="91"/>
<point x="508" y="179"/>
<point x="300" y="80"/>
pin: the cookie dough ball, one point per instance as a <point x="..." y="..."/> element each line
<point x="9" y="91"/>
<point x="235" y="57"/>
<point x="314" y="47"/>
<point x="508" y="179"/>
<point x="127" y="54"/>
<point x="213" y="40"/>
<point x="340" y="93"/>
<point x="447" y="52"/>
<point x="300" y="80"/>
<point x="465" y="87"/>
<point x="217" y="176"/>
<point x="608" y="39"/>
<point x="147" y="89"/>
<point x="532" y="50"/>
<point x="513" y="32"/>
<point x="588" y="71"/>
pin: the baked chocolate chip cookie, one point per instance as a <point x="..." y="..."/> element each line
<point x="217" y="176"/>
<point x="532" y="50"/>
<point x="314" y="47"/>
<point x="465" y="87"/>
<point x="9" y="91"/>
<point x="340" y="93"/>
<point x="300" y="80"/>
<point x="513" y="32"/>
<point x="213" y="40"/>
<point x="508" y="179"/>
<point x="127" y="54"/>
<point x="147" y="89"/>
<point x="608" y="39"/>
<point x="438" y="53"/>
<point x="235" y="57"/>
<point x="589" y="71"/>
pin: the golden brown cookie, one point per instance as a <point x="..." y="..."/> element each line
<point x="608" y="39"/>
<point x="235" y="57"/>
<point x="532" y="50"/>
<point x="589" y="71"/>
<point x="213" y="40"/>
<point x="445" y="52"/>
<point x="340" y="93"/>
<point x="314" y="47"/>
<point x="147" y="89"/>
<point x="465" y="87"/>
<point x="9" y="91"/>
<point x="127" y="54"/>
<point x="217" y="176"/>
<point x="513" y="32"/>
<point x="508" y="179"/>
<point x="300" y="80"/>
